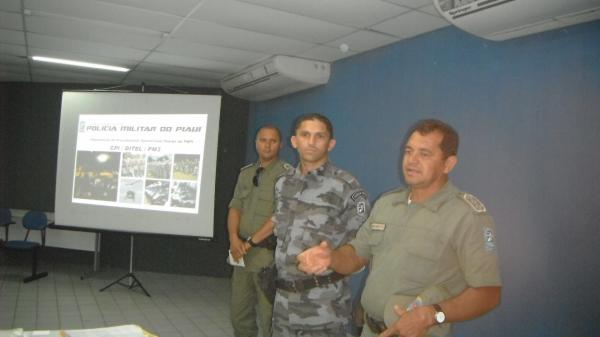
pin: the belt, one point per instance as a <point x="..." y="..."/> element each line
<point x="375" y="325"/>
<point x="309" y="283"/>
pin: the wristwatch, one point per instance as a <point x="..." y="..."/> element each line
<point x="440" y="316"/>
<point x="249" y="240"/>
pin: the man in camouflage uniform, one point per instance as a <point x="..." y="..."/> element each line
<point x="432" y="247"/>
<point x="248" y="224"/>
<point x="315" y="202"/>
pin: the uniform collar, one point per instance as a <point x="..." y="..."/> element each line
<point x="318" y="171"/>
<point x="438" y="199"/>
<point x="270" y="166"/>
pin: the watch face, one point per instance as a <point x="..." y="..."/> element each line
<point x="440" y="317"/>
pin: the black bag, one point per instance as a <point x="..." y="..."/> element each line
<point x="267" y="281"/>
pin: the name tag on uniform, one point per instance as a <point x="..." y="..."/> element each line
<point x="377" y="226"/>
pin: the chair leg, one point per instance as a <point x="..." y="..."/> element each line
<point x="34" y="275"/>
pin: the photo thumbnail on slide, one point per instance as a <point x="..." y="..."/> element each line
<point x="140" y="161"/>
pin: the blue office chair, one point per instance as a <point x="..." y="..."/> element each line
<point x="33" y="220"/>
<point x="5" y="220"/>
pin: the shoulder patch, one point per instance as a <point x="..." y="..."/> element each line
<point x="287" y="166"/>
<point x="359" y="195"/>
<point x="247" y="166"/>
<point x="475" y="203"/>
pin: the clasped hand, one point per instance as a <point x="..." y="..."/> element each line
<point x="315" y="260"/>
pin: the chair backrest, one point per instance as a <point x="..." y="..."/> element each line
<point x="35" y="220"/>
<point x="5" y="216"/>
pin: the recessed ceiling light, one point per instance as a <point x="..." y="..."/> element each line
<point x="79" y="63"/>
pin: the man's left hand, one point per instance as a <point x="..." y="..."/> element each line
<point x="413" y="323"/>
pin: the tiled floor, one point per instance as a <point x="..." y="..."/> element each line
<point x="179" y="306"/>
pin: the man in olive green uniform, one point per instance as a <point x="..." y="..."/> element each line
<point x="249" y="210"/>
<point x="432" y="248"/>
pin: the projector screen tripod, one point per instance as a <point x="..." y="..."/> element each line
<point x="133" y="281"/>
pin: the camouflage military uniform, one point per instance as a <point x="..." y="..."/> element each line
<point x="256" y="204"/>
<point x="432" y="250"/>
<point x="325" y="204"/>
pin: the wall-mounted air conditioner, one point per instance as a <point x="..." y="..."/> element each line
<point x="276" y="76"/>
<point x="506" y="19"/>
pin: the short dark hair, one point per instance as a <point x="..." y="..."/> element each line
<point x="314" y="116"/>
<point x="449" y="143"/>
<point x="269" y="126"/>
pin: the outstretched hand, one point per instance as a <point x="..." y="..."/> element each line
<point x="315" y="260"/>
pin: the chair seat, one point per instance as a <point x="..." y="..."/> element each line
<point x="21" y="245"/>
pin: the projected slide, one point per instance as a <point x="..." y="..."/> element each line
<point x="140" y="161"/>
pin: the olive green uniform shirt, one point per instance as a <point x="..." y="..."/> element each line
<point x="434" y="249"/>
<point x="256" y="205"/>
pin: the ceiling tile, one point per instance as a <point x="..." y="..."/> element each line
<point x="178" y="71"/>
<point x="411" y="3"/>
<point x="107" y="12"/>
<point x="87" y="30"/>
<point x="12" y="36"/>
<point x="68" y="74"/>
<point x="12" y="49"/>
<point x="193" y="62"/>
<point x="10" y="20"/>
<point x="430" y="10"/>
<point x="178" y="7"/>
<point x="325" y="53"/>
<point x="89" y="50"/>
<point x="12" y="60"/>
<point x="10" y="5"/>
<point x="363" y="40"/>
<point x="229" y="55"/>
<point x="269" y="21"/>
<point x="351" y="13"/>
<point x="411" y="24"/>
<point x="217" y="35"/>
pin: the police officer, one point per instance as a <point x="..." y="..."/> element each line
<point x="249" y="210"/>
<point x="316" y="201"/>
<point x="432" y="247"/>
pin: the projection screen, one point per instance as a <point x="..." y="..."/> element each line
<point x="137" y="163"/>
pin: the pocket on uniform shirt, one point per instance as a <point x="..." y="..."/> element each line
<point x="424" y="249"/>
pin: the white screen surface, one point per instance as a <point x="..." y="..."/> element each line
<point x="138" y="163"/>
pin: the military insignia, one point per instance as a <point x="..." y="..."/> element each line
<point x="358" y="195"/>
<point x="489" y="239"/>
<point x="247" y="166"/>
<point x="377" y="226"/>
<point x="287" y="166"/>
<point x="361" y="208"/>
<point x="475" y="204"/>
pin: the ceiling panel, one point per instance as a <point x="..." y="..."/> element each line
<point x="218" y="35"/>
<point x="411" y="3"/>
<point x="86" y="30"/>
<point x="364" y="40"/>
<point x="12" y="36"/>
<point x="411" y="24"/>
<point x="193" y="62"/>
<point x="10" y="5"/>
<point x="265" y="20"/>
<point x="325" y="53"/>
<point x="229" y="55"/>
<point x="351" y="13"/>
<point x="57" y="53"/>
<point x="177" y="7"/>
<point x="13" y="49"/>
<point x="11" y="20"/>
<point x="107" y="12"/>
<point x="178" y="71"/>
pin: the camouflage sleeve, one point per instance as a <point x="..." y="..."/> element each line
<point x="355" y="213"/>
<point x="277" y="204"/>
<point x="238" y="194"/>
